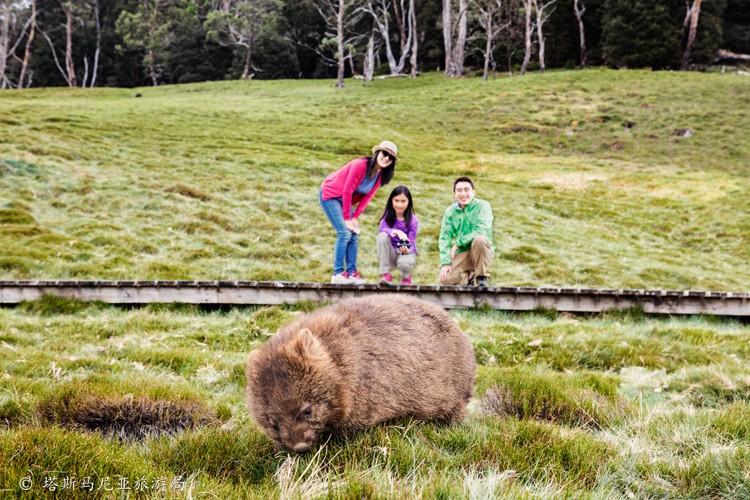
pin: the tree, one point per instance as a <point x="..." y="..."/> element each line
<point x="736" y="21"/>
<point x="542" y="15"/>
<point x="642" y="33"/>
<point x="305" y="28"/>
<point x="369" y="63"/>
<point x="488" y="14"/>
<point x="527" y="7"/>
<point x="380" y="14"/>
<point x="276" y="56"/>
<point x="339" y="16"/>
<point x="98" y="49"/>
<point x="80" y="17"/>
<point x="414" y="38"/>
<point x="239" y="23"/>
<point x="691" y="22"/>
<point x="709" y="36"/>
<point x="147" y="30"/>
<point x="579" y="10"/>
<point x="70" y="73"/>
<point x="454" y="36"/>
<point x="22" y="81"/>
<point x="17" y="21"/>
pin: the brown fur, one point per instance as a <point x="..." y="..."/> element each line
<point x="352" y="365"/>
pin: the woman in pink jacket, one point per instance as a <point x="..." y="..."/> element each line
<point x="354" y="185"/>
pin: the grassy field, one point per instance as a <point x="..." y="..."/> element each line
<point x="591" y="185"/>
<point x="149" y="402"/>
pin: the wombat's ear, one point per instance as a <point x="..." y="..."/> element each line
<point x="307" y="346"/>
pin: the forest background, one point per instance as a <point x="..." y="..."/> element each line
<point x="129" y="43"/>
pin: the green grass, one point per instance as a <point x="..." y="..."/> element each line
<point x="155" y="395"/>
<point x="218" y="180"/>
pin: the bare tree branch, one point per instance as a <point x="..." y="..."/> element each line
<point x="54" y="56"/>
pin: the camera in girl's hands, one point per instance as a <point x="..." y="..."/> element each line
<point x="403" y="244"/>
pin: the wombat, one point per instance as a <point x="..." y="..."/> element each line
<point x="352" y="365"/>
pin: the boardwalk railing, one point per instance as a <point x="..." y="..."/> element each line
<point x="577" y="300"/>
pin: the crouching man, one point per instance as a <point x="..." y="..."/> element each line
<point x="466" y="246"/>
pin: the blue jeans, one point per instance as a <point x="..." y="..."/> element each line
<point x="345" y="249"/>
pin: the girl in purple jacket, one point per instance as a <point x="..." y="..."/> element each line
<point x="344" y="196"/>
<point x="397" y="239"/>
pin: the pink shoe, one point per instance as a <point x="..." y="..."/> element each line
<point x="386" y="279"/>
<point x="356" y="278"/>
<point x="406" y="281"/>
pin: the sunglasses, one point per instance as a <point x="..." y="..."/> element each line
<point x="388" y="155"/>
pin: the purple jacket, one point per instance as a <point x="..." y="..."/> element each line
<point x="410" y="231"/>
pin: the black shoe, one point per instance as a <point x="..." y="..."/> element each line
<point x="471" y="281"/>
<point x="482" y="282"/>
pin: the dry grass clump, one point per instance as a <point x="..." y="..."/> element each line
<point x="189" y="192"/>
<point x="125" y="417"/>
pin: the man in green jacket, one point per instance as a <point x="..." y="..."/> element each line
<point x="466" y="247"/>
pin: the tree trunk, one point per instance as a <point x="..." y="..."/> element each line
<point x="248" y="62"/>
<point x="695" y="12"/>
<point x="488" y="45"/>
<point x="527" y="36"/>
<point x="153" y="72"/>
<point x="579" y="9"/>
<point x="69" y="67"/>
<point x="539" y="34"/>
<point x="4" y="42"/>
<point x="85" y="79"/>
<point x="369" y="67"/>
<point x="448" y="38"/>
<point x="98" y="43"/>
<point x="340" y="40"/>
<point x="350" y="57"/>
<point x="454" y="39"/>
<point x="27" y="50"/>
<point x="414" y="42"/>
<point x="460" y="45"/>
<point x="398" y="8"/>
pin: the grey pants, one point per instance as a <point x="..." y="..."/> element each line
<point x="390" y="258"/>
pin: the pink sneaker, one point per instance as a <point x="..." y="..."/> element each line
<point x="406" y="281"/>
<point x="356" y="278"/>
<point x="386" y="279"/>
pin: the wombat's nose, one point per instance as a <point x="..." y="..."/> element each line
<point x="302" y="447"/>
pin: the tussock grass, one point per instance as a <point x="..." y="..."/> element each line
<point x="124" y="417"/>
<point x="581" y="399"/>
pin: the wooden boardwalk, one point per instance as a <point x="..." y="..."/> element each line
<point x="576" y="300"/>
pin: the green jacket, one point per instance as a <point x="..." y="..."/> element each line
<point x="461" y="226"/>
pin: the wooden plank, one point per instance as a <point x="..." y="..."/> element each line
<point x="276" y="293"/>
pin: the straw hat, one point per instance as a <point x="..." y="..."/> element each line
<point x="388" y="147"/>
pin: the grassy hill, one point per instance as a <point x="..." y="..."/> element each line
<point x="591" y="186"/>
<point x="590" y="181"/>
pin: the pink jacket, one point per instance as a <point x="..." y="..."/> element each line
<point x="343" y="182"/>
